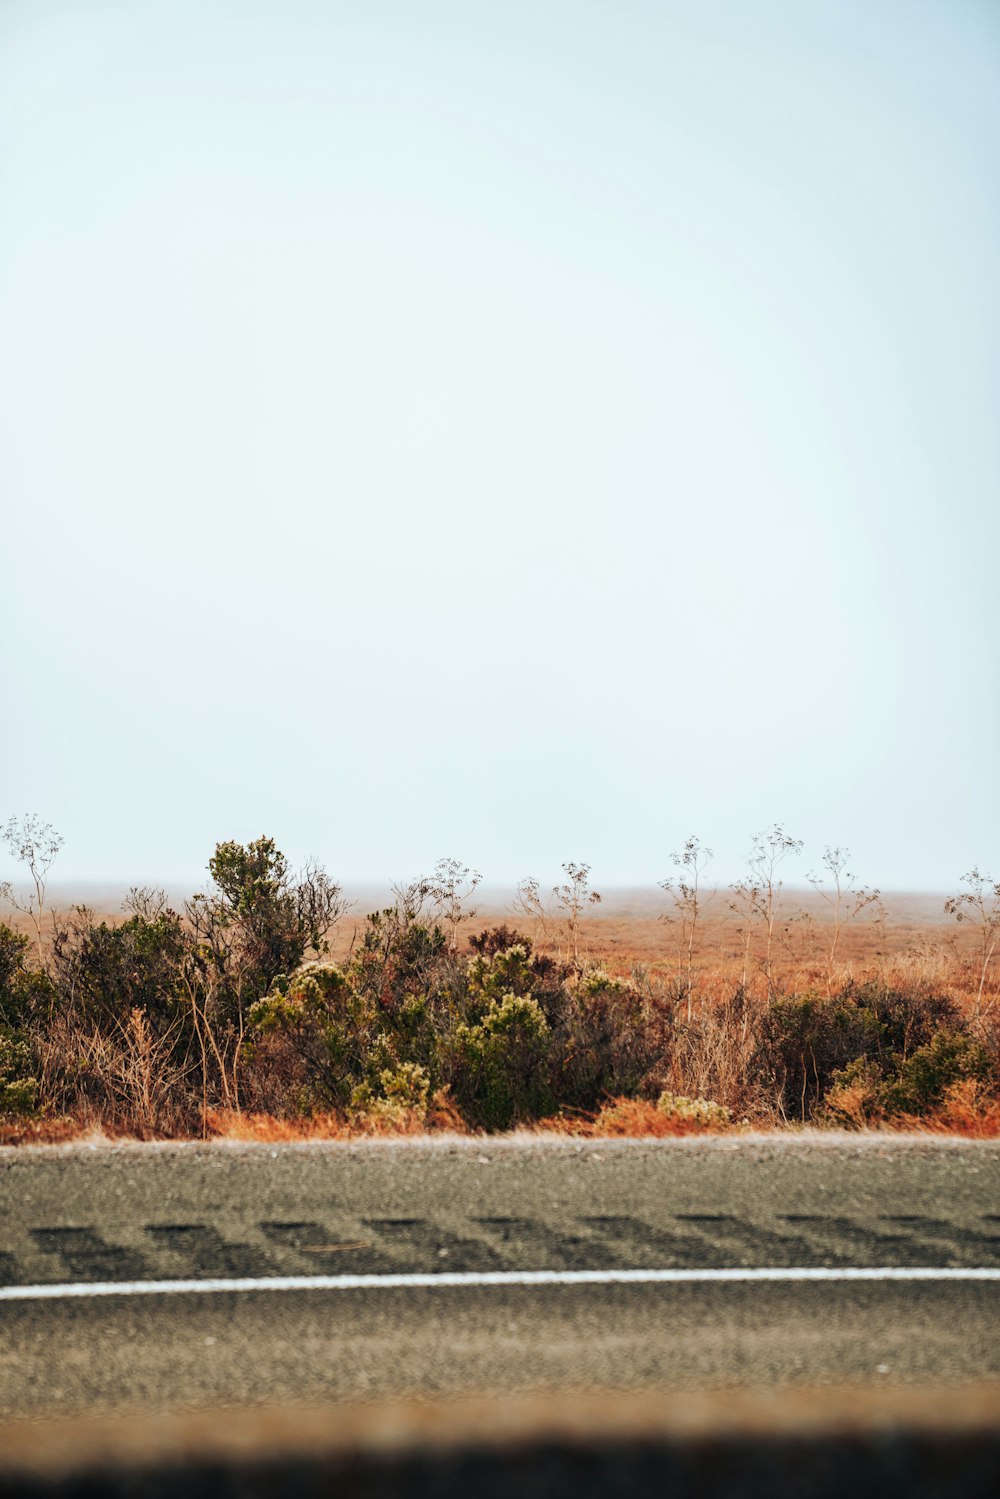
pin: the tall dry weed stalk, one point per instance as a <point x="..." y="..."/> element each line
<point x="757" y="897"/>
<point x="845" y="900"/>
<point x="34" y="844"/>
<point x="569" y="903"/>
<point x="979" y="905"/>
<point x="689" y="898"/>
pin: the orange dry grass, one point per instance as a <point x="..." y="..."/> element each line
<point x="269" y="1129"/>
<point x="966" y="1110"/>
<point x="16" y="1131"/>
<point x="919" y="945"/>
<point x="638" y="1117"/>
<point x="627" y="1118"/>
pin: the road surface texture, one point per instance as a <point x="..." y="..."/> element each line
<point x="395" y="1269"/>
<point x="725" y="1317"/>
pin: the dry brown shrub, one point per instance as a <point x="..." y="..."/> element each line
<point x="443" y="1114"/>
<point x="122" y="1081"/>
<point x="713" y="1056"/>
<point x="851" y="1105"/>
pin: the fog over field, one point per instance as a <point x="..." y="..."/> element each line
<point x="626" y="903"/>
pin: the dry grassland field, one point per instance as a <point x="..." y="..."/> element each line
<point x="638" y="925"/>
<point x="623" y="1019"/>
<point x="918" y="942"/>
<point x="635" y="926"/>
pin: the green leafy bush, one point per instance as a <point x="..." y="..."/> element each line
<point x="313" y="1034"/>
<point x="500" y="1064"/>
<point x="18" y="1089"/>
<point x="864" y="1091"/>
<point x="13" y="947"/>
<point x="107" y="971"/>
<point x="401" y="1096"/>
<point x="809" y="1040"/>
<point x="925" y="1077"/>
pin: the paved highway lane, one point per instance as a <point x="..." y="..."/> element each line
<point x="415" y="1266"/>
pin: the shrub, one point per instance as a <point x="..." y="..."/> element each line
<point x="855" y="1095"/>
<point x="500" y="1064"/>
<point x="26" y="994"/>
<point x="701" y="1113"/>
<point x="400" y="1100"/>
<point x="18" y="1089"/>
<point x="505" y="963"/>
<point x="809" y="1041"/>
<point x="406" y="1085"/>
<point x="672" y="1116"/>
<point x="312" y="1036"/>
<point x="716" y="1055"/>
<point x="400" y="957"/>
<point x="104" y="972"/>
<point x="967" y="1108"/>
<point x="611" y="1036"/>
<point x="13" y="947"/>
<point x="256" y="922"/>
<point x="633" y="1118"/>
<point x="865" y="1092"/>
<point x="926" y="1076"/>
<point x="494" y="939"/>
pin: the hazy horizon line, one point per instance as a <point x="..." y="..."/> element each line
<point x="496" y="888"/>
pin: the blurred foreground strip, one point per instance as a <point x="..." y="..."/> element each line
<point x="830" y="1442"/>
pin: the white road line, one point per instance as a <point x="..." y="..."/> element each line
<point x="445" y="1280"/>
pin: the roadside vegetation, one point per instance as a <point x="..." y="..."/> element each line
<point x="257" y="1011"/>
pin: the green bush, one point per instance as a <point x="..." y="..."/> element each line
<point x="611" y="1036"/>
<point x="13" y="947"/>
<point x="316" y="1033"/>
<point x="108" y="971"/>
<point x="26" y="994"/>
<point x="18" y="1089"/>
<point x="503" y="1028"/>
<point x="810" y="1041"/>
<point x="401" y="1095"/>
<point x="864" y="1091"/>
<point x="924" y="1077"/>
<point x="500" y="1064"/>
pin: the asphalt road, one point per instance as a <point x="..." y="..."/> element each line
<point x="359" y="1229"/>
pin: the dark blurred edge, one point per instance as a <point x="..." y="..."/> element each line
<point x="851" y="1443"/>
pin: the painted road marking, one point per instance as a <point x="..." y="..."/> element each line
<point x="485" y="1278"/>
<point x="376" y="1247"/>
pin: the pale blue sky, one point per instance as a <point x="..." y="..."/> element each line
<point x="525" y="431"/>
